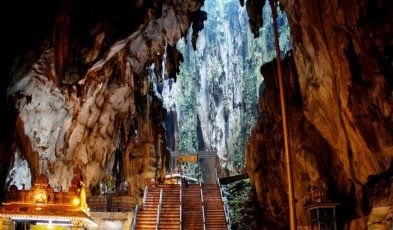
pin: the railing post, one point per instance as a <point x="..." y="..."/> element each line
<point x="285" y="132"/>
<point x="203" y="216"/>
<point x="133" y="224"/>
<point x="203" y="207"/>
<point x="217" y="179"/>
<point x="159" y="210"/>
<point x="144" y="196"/>
<point x="181" y="211"/>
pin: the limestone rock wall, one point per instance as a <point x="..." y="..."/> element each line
<point x="80" y="101"/>
<point x="265" y="159"/>
<point x="343" y="57"/>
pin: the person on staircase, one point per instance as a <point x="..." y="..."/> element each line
<point x="185" y="174"/>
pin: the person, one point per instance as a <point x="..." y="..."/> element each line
<point x="153" y="182"/>
<point x="83" y="196"/>
<point x="185" y="170"/>
<point x="181" y="174"/>
<point x="185" y="174"/>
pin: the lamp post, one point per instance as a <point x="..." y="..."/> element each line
<point x="288" y="162"/>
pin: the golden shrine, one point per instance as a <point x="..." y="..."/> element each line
<point x="41" y="207"/>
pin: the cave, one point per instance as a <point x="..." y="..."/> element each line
<point x="90" y="101"/>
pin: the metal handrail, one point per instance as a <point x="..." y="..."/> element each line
<point x="181" y="211"/>
<point x="133" y="224"/>
<point x="226" y="209"/>
<point x="203" y="216"/>
<point x="203" y="208"/>
<point x="224" y="203"/>
<point x="181" y="224"/>
<point x="145" y="196"/>
<point x="159" y="210"/>
<point x="217" y="179"/>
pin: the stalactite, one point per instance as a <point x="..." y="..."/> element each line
<point x="62" y="40"/>
<point x="197" y="19"/>
<point x="254" y="9"/>
<point x="173" y="60"/>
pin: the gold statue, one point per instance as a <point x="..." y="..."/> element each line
<point x="83" y="196"/>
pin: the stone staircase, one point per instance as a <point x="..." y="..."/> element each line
<point x="192" y="207"/>
<point x="170" y="209"/>
<point x="214" y="211"/>
<point x="147" y="216"/>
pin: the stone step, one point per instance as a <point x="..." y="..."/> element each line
<point x="146" y="218"/>
<point x="147" y="212"/>
<point x="146" y="221"/>
<point x="192" y="221"/>
<point x="170" y="214"/>
<point x="170" y="220"/>
<point x="170" y="208"/>
<point x="216" y="223"/>
<point x="146" y="227"/>
<point x="150" y="208"/>
<point x="169" y="226"/>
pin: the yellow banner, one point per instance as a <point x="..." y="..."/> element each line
<point x="188" y="158"/>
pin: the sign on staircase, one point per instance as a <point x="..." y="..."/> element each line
<point x="188" y="158"/>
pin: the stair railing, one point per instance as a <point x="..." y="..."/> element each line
<point x="133" y="224"/>
<point x="203" y="216"/>
<point x="159" y="210"/>
<point x="203" y="207"/>
<point x="224" y="203"/>
<point x="144" y="196"/>
<point x="217" y="179"/>
<point x="181" y="211"/>
<point x="226" y="209"/>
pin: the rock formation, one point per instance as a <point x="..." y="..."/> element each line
<point x="89" y="92"/>
<point x="340" y="115"/>
<point x="265" y="160"/>
<point x="76" y="88"/>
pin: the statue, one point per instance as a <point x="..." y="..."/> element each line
<point x="83" y="196"/>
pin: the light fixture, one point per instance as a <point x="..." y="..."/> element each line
<point x="51" y="224"/>
<point x="76" y="201"/>
<point x="40" y="197"/>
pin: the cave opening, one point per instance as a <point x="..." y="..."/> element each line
<point x="114" y="88"/>
<point x="215" y="95"/>
<point x="214" y="100"/>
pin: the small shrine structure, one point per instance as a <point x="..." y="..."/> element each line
<point x="42" y="207"/>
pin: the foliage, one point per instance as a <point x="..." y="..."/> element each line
<point x="187" y="107"/>
<point x="238" y="200"/>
